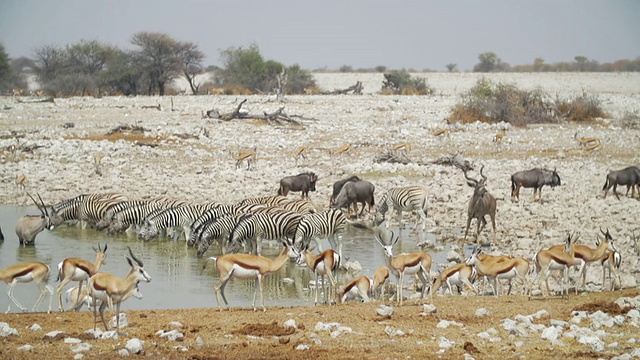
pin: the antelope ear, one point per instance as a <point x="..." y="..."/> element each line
<point x="471" y="184"/>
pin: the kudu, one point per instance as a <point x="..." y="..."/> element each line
<point x="535" y="178"/>
<point x="481" y="204"/>
<point x="629" y="176"/>
<point x="29" y="226"/>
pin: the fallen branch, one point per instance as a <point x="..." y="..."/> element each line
<point x="356" y="89"/>
<point x="45" y="100"/>
<point x="456" y="160"/>
<point x="277" y="116"/>
<point x="127" y="128"/>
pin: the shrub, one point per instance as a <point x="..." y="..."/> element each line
<point x="584" y="108"/>
<point x="488" y="102"/>
<point x="400" y="82"/>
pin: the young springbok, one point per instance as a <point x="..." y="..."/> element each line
<point x="75" y="269"/>
<point x="417" y="263"/>
<point x="79" y="298"/>
<point x="111" y="289"/>
<point x="24" y="273"/>
<point x="246" y="266"/>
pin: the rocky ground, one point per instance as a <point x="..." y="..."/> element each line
<point x="180" y="154"/>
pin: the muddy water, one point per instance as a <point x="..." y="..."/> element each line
<point x="178" y="280"/>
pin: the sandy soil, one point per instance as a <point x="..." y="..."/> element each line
<point x="244" y="334"/>
<point x="187" y="157"/>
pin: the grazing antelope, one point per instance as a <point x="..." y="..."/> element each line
<point x="325" y="263"/>
<point x="589" y="143"/>
<point x="586" y="255"/>
<point x="97" y="163"/>
<point x="246" y="266"/>
<point x="78" y="298"/>
<point x="29" y="226"/>
<point x="75" y="269"/>
<point x="501" y="268"/>
<point x="360" y="286"/>
<point x="417" y="263"/>
<point x="20" y="183"/>
<point x="24" y="273"/>
<point x="379" y="278"/>
<point x="111" y="289"/>
<point x="459" y="275"/>
<point x="497" y="138"/>
<point x="249" y="155"/>
<point x="341" y="150"/>
<point x="556" y="259"/>
<point x="301" y="152"/>
<point x="401" y="148"/>
<point x="481" y="204"/>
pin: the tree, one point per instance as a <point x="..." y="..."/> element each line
<point x="244" y="67"/>
<point x="400" y="81"/>
<point x="452" y="67"/>
<point x="157" y="56"/>
<point x="5" y="69"/>
<point x="49" y="62"/>
<point x="581" y="63"/>
<point x="190" y="63"/>
<point x="489" y="62"/>
<point x="298" y="79"/>
<point x="122" y="74"/>
<point x="87" y="59"/>
<point x="538" y="64"/>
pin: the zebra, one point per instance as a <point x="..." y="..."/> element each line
<point x="215" y="213"/>
<point x="218" y="230"/>
<point x="67" y="210"/>
<point x="93" y="210"/>
<point x="252" y="229"/>
<point x="172" y="217"/>
<point x="404" y="199"/>
<point x="329" y="224"/>
<point x="266" y="200"/>
<point x="300" y="206"/>
<point x="111" y="213"/>
<point x="134" y="215"/>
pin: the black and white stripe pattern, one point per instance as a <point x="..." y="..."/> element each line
<point x="214" y="214"/>
<point x="403" y="199"/>
<point x="257" y="227"/>
<point x="172" y="217"/>
<point x="329" y="224"/>
<point x="136" y="214"/>
<point x="93" y="210"/>
<point x="217" y="230"/>
<point x="68" y="210"/>
<point x="266" y="200"/>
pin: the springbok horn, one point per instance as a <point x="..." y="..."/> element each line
<point x="134" y="257"/>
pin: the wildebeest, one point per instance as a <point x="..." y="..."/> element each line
<point x="535" y="178"/>
<point x="354" y="192"/>
<point x="629" y="176"/>
<point x="337" y="186"/>
<point x="303" y="182"/>
<point x="481" y="203"/>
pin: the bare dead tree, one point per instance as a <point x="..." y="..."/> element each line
<point x="355" y="89"/>
<point x="280" y="90"/>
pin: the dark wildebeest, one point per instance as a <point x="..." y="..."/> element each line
<point x="481" y="203"/>
<point x="337" y="186"/>
<point x="303" y="182"/>
<point x="629" y="176"/>
<point x="535" y="178"/>
<point x="354" y="192"/>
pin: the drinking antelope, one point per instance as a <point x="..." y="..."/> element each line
<point x="417" y="263"/>
<point x="556" y="259"/>
<point x="482" y="203"/>
<point x="75" y="269"/>
<point x="29" y="226"/>
<point x="504" y="268"/>
<point x="246" y="266"/>
<point x="360" y="286"/>
<point x="325" y="263"/>
<point x="249" y="155"/>
<point x="24" y="273"/>
<point x="459" y="275"/>
<point x="111" y="289"/>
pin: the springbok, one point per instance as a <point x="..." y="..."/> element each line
<point x="360" y="286"/>
<point x="417" y="263"/>
<point x="75" y="269"/>
<point x="497" y="138"/>
<point x="341" y="150"/>
<point x="481" y="204"/>
<point x="78" y="298"/>
<point x="301" y="152"/>
<point x="24" y="273"/>
<point x="325" y="263"/>
<point x="380" y="277"/>
<point x="589" y="143"/>
<point x="459" y="275"/>
<point x="249" y="155"/>
<point x="29" y="226"/>
<point x="556" y="259"/>
<point x="401" y="149"/>
<point x="246" y="266"/>
<point x="612" y="262"/>
<point x="503" y="268"/>
<point x="20" y="183"/>
<point x="585" y="255"/>
<point x="111" y="289"/>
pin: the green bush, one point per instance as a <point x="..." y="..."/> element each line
<point x="401" y="82"/>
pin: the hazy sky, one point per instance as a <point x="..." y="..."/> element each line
<point x="331" y="33"/>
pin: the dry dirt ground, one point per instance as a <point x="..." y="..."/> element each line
<point x="244" y="334"/>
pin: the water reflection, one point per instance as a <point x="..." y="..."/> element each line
<point x="178" y="278"/>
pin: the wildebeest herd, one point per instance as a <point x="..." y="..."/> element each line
<point x="241" y="227"/>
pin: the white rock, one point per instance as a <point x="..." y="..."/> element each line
<point x="78" y="356"/>
<point x="551" y="333"/>
<point x="320" y="326"/>
<point x="6" y="330"/>
<point x="124" y="321"/>
<point x="34" y="327"/>
<point x="25" y="347"/>
<point x="181" y="348"/>
<point x="384" y="310"/>
<point x="123" y="353"/>
<point x="341" y="330"/>
<point x="53" y="333"/>
<point x="559" y="323"/>
<point x="593" y="341"/>
<point x="482" y="312"/>
<point x="540" y="314"/>
<point x="303" y="347"/>
<point x="199" y="342"/>
<point x="445" y="343"/>
<point x="391" y="331"/>
<point x="111" y="334"/>
<point x="81" y="347"/>
<point x="134" y="345"/>
<point x="290" y="324"/>
<point x="176" y="324"/>
<point x="70" y="340"/>
<point x="429" y="309"/>
<point x="172" y="335"/>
